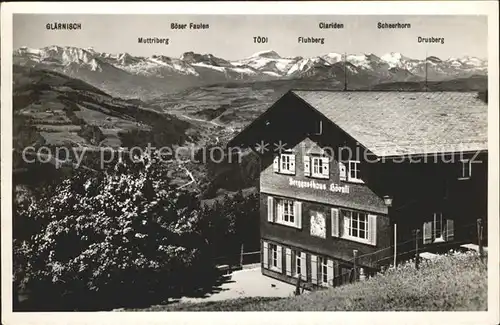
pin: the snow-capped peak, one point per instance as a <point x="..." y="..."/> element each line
<point x="259" y="66"/>
<point x="270" y="54"/>
<point x="333" y="57"/>
<point x="394" y="59"/>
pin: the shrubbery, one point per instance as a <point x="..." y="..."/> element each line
<point x="119" y="236"/>
<point x="231" y="222"/>
<point x="124" y="237"/>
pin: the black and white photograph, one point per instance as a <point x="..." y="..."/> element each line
<point x="256" y="161"/>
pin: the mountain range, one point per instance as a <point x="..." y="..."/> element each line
<point x="129" y="76"/>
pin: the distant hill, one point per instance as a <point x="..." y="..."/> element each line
<point x="55" y="111"/>
<point x="129" y="76"/>
<point x="62" y="110"/>
<point x="473" y="83"/>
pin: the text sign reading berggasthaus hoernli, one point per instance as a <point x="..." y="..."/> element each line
<point x="332" y="187"/>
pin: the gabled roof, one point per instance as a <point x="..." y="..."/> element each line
<point x="393" y="123"/>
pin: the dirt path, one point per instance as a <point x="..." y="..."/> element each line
<point x="247" y="283"/>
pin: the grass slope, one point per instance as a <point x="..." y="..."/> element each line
<point x="61" y="109"/>
<point x="453" y="282"/>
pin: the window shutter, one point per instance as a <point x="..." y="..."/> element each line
<point x="330" y="272"/>
<point x="278" y="217"/>
<point x="280" y="255"/>
<point x="450" y="232"/>
<point x="307" y="166"/>
<point x="270" y="209"/>
<point x="265" y="255"/>
<point x="303" y="266"/>
<point x="292" y="163"/>
<point x="372" y="229"/>
<point x="346" y="222"/>
<point x="325" y="161"/>
<point x="314" y="269"/>
<point x="335" y="222"/>
<point x="288" y="261"/>
<point x="276" y="164"/>
<point x="427" y="232"/>
<point x="298" y="214"/>
<point x="342" y="171"/>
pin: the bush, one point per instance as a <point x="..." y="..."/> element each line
<point x="232" y="221"/>
<point x="111" y="239"/>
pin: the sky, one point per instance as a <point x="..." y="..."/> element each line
<point x="232" y="36"/>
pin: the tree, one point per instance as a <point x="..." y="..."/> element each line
<point x="120" y="236"/>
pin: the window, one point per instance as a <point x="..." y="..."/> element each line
<point x="354" y="174"/>
<point x="287" y="165"/>
<point x="438" y="230"/>
<point x="286" y="212"/>
<point x="298" y="263"/>
<point x="438" y="225"/>
<point x="273" y="249"/>
<point x="320" y="167"/>
<point x="323" y="270"/>
<point x="465" y="169"/>
<point x="284" y="163"/>
<point x="355" y="224"/>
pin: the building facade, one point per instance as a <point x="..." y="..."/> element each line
<point x="363" y="177"/>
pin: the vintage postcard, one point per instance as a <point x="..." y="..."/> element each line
<point x="163" y="160"/>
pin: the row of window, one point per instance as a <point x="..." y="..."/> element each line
<point x="345" y="223"/>
<point x="295" y="260"/>
<point x="317" y="166"/>
<point x="322" y="269"/>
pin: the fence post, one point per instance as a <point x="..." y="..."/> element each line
<point x="241" y="255"/>
<point x="355" y="264"/>
<point x="480" y="238"/>
<point x="417" y="256"/>
<point x="395" y="244"/>
<point x="298" y="285"/>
